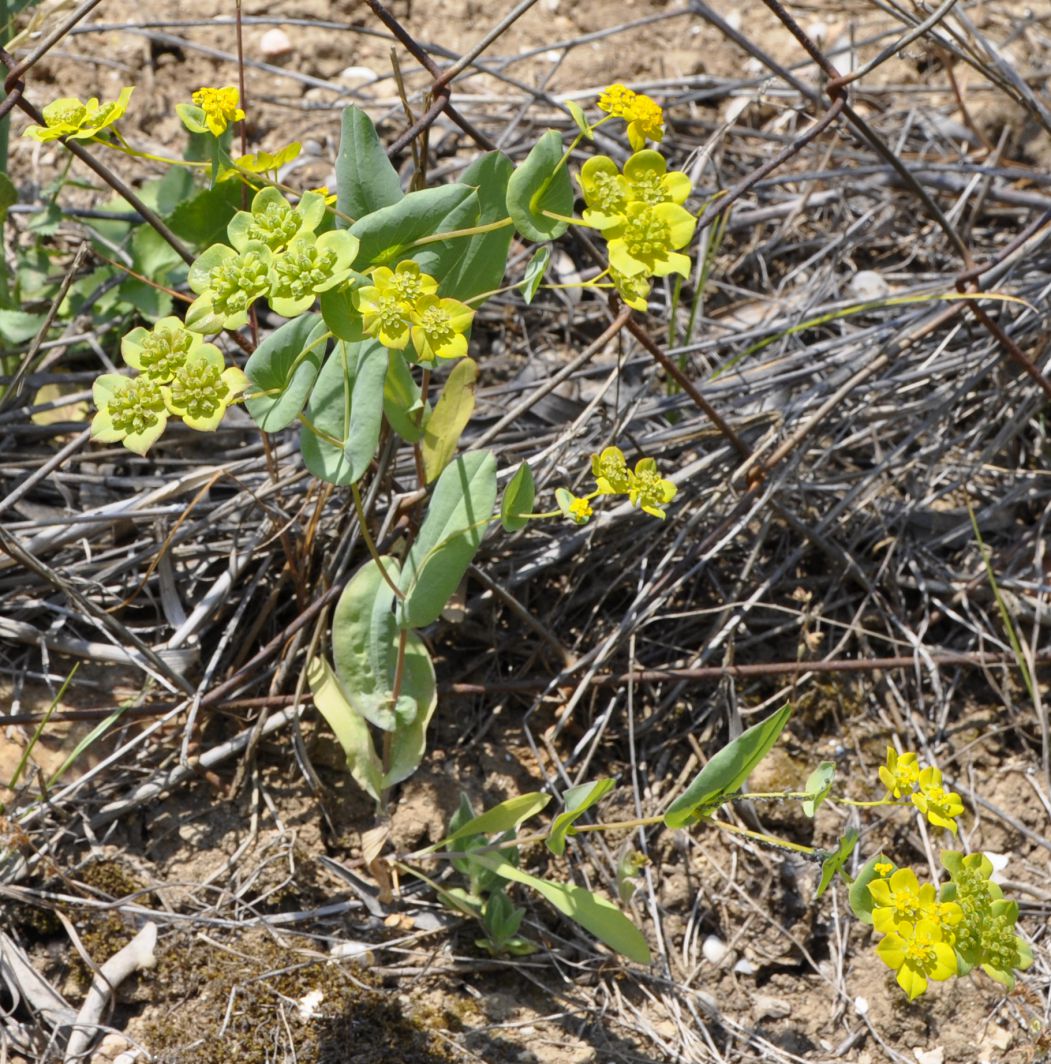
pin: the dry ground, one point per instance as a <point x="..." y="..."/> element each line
<point x="860" y="547"/>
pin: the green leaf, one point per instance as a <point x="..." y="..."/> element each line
<point x="500" y="818"/>
<point x="726" y="771"/>
<point x="387" y="234"/>
<point x="202" y="220"/>
<point x="152" y="255"/>
<point x="365" y="179"/>
<point x="482" y="265"/>
<point x="439" y="258"/>
<point x="8" y="196"/>
<point x="453" y="410"/>
<point x="345" y="412"/>
<point x="16" y="326"/>
<point x="835" y="861"/>
<point x="858" y="895"/>
<point x="818" y="786"/>
<point x="603" y="919"/>
<point x="580" y="118"/>
<point x="340" y="316"/>
<point x="285" y="365"/>
<point x="576" y="802"/>
<point x="541" y="183"/>
<point x="365" y="642"/>
<point x="401" y="400"/>
<point x="519" y="497"/>
<point x="351" y="730"/>
<point x="457" y="517"/>
<point x="534" y="272"/>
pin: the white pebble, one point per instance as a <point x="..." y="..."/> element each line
<point x="714" y="949"/>
<point x="274" y="45"/>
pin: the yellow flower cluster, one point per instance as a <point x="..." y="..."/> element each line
<point x="213" y="110"/>
<point x="644" y="486"/>
<point x="403" y="304"/>
<point x="71" y="119"/>
<point x="639" y="211"/>
<point x="918" y="929"/>
<point x="904" y="777"/>
<point x="643" y="114"/>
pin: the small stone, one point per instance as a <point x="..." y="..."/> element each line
<point x="930" y="1056"/>
<point x="275" y="45"/>
<point x="358" y="73"/>
<point x="770" y="1008"/>
<point x="867" y="284"/>
<point x="744" y="967"/>
<point x="714" y="949"/>
<point x="861" y="1006"/>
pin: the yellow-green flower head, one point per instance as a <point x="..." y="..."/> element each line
<point x="918" y="954"/>
<point x="74" y="120"/>
<point x="648" y="180"/>
<point x="649" y="492"/>
<point x="633" y="291"/>
<point x="219" y="107"/>
<point x="309" y="266"/>
<point x="901" y="899"/>
<point x="383" y="316"/>
<point x="605" y="191"/>
<point x="643" y="115"/>
<point x="883" y="868"/>
<point x="405" y="282"/>
<point x="646" y="240"/>
<point x="611" y="473"/>
<point x="227" y="282"/>
<point x="203" y="388"/>
<point x="439" y="328"/>
<point x="130" y="411"/>
<point x="264" y="162"/>
<point x="576" y="509"/>
<point x="160" y="351"/>
<point x="273" y="221"/>
<point x="901" y="772"/>
<point x="941" y="807"/>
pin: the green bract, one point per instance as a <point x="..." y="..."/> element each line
<point x="439" y="328"/>
<point x="203" y="388"/>
<point x="309" y="266"/>
<point x="160" y="351"/>
<point x="227" y="282"/>
<point x="645" y="240"/>
<point x="273" y="221"/>
<point x="130" y="411"/>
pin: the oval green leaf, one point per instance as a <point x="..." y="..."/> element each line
<point x="457" y="517"/>
<point x="453" y="410"/>
<point x="818" y="786"/>
<point x="500" y="818"/>
<point x="726" y="771"/>
<point x="836" y="860"/>
<point x="860" y="899"/>
<point x="541" y="183"/>
<point x="518" y="499"/>
<point x="576" y="802"/>
<point x="365" y="179"/>
<point x="284" y="368"/>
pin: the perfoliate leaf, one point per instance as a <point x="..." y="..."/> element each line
<point x="726" y="771"/>
<point x="576" y="802"/>
<point x="818" y="786"/>
<point x="541" y="183"/>
<point x="518" y="499"/>
<point x="858" y="895"/>
<point x="835" y="861"/>
<point x="580" y="118"/>
<point x="534" y="272"/>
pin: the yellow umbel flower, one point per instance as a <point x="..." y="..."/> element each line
<point x="917" y="954"/>
<point x="642" y="113"/>
<point x="901" y="772"/>
<point x="71" y="118"/>
<point x="939" y="806"/>
<point x="219" y="107"/>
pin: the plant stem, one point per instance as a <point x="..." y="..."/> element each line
<point x="370" y="545"/>
<point x="453" y="234"/>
